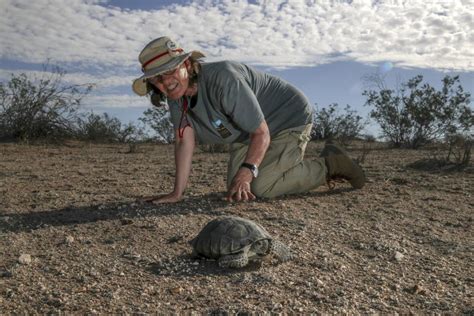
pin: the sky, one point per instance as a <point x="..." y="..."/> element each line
<point x="323" y="47"/>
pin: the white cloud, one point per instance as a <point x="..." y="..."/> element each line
<point x="435" y="34"/>
<point x="100" y="81"/>
<point x="88" y="34"/>
<point x="115" y="101"/>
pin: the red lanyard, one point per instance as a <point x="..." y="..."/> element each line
<point x="184" y="111"/>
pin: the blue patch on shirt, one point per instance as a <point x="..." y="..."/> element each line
<point x="221" y="129"/>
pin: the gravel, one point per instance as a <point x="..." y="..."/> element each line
<point x="74" y="239"/>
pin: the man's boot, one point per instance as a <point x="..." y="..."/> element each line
<point x="341" y="166"/>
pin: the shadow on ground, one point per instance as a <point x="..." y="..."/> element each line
<point x="125" y="211"/>
<point x="439" y="165"/>
<point x="72" y="215"/>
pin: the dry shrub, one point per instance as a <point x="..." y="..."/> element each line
<point x="214" y="148"/>
<point x="366" y="149"/>
<point x="459" y="148"/>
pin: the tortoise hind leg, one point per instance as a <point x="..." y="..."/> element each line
<point x="281" y="251"/>
<point x="238" y="260"/>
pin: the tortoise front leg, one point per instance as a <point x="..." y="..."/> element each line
<point x="238" y="260"/>
<point x="280" y="250"/>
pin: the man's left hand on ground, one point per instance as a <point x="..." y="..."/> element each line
<point x="240" y="188"/>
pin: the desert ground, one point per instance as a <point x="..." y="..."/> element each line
<point x="74" y="239"/>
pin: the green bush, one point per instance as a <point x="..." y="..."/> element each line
<point x="106" y="129"/>
<point x="39" y="107"/>
<point x="459" y="148"/>
<point x="331" y="123"/>
<point x="416" y="114"/>
<point x="158" y="118"/>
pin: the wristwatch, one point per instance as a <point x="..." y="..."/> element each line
<point x="252" y="168"/>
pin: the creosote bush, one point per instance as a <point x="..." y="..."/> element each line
<point x="158" y="118"/>
<point x="39" y="106"/>
<point x="331" y="123"/>
<point x="459" y="148"/>
<point x="416" y="114"/>
<point x="44" y="107"/>
<point x="106" y="129"/>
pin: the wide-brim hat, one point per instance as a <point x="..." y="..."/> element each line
<point x="159" y="56"/>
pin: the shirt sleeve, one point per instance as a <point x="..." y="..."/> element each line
<point x="238" y="101"/>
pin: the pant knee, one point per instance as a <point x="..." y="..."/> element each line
<point x="262" y="191"/>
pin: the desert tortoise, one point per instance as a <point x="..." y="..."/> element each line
<point x="234" y="241"/>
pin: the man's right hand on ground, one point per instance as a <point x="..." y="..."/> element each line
<point x="160" y="199"/>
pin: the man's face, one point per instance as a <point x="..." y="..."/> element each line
<point x="173" y="83"/>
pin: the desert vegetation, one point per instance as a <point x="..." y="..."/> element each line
<point x="410" y="115"/>
<point x="75" y="239"/>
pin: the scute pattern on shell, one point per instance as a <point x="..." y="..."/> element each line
<point x="227" y="235"/>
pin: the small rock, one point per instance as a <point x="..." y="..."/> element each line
<point x="276" y="306"/>
<point x="174" y="239"/>
<point x="9" y="293"/>
<point x="126" y="221"/>
<point x="319" y="283"/>
<point x="25" y="259"/>
<point x="5" y="274"/>
<point x="398" y="256"/>
<point x="54" y="301"/>
<point x="81" y="278"/>
<point x="418" y="289"/>
<point x="129" y="254"/>
<point x="176" y="290"/>
<point x="69" y="240"/>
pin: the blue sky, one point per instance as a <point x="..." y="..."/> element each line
<point x="323" y="47"/>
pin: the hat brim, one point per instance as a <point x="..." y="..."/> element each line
<point x="139" y="85"/>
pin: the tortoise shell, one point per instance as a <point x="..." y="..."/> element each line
<point x="227" y="235"/>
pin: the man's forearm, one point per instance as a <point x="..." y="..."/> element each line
<point x="183" y="160"/>
<point x="259" y="142"/>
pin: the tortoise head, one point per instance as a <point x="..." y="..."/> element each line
<point x="260" y="248"/>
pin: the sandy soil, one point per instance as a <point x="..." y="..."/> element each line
<point x="73" y="239"/>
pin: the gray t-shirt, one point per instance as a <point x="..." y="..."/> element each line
<point x="232" y="101"/>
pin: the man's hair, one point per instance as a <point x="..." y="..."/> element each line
<point x="157" y="98"/>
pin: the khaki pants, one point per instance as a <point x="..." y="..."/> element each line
<point x="283" y="169"/>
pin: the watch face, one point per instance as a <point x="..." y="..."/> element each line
<point x="252" y="168"/>
<point x="255" y="172"/>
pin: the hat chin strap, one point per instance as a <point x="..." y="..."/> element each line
<point x="159" y="56"/>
